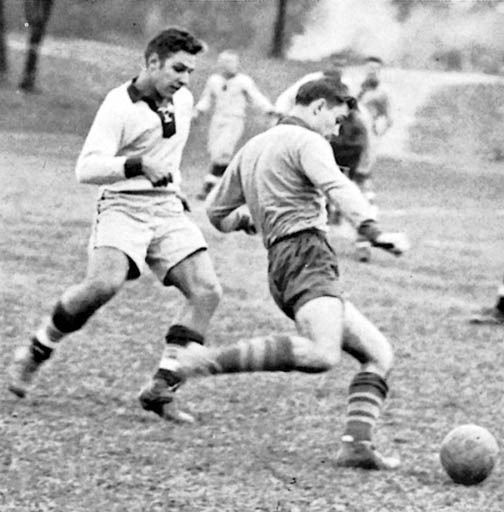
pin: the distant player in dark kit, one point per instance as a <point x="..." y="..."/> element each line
<point x="283" y="176"/>
<point x="133" y="150"/>
<point x="37" y="14"/>
<point x="493" y="315"/>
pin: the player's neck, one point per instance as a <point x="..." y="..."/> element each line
<point x="144" y="85"/>
<point x="228" y="75"/>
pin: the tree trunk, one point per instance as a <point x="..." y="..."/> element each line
<point x="279" y="30"/>
<point x="3" y="44"/>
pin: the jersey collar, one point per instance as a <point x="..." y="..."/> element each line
<point x="136" y="95"/>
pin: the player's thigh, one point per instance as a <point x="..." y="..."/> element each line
<point x="321" y="320"/>
<point x="364" y="341"/>
<point x="195" y="276"/>
<point x="108" y="269"/>
<point x="123" y="223"/>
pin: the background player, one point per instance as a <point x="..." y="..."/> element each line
<point x="134" y="149"/>
<point x="282" y="175"/>
<point x="492" y="315"/>
<point x="229" y="92"/>
<point x="375" y="96"/>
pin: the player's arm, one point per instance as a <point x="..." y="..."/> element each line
<point x="319" y="166"/>
<point x="97" y="163"/>
<point x="205" y="102"/>
<point x="226" y="208"/>
<point x="257" y="98"/>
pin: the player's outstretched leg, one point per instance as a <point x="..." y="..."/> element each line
<point x="28" y="359"/>
<point x="491" y="315"/>
<point x="107" y="272"/>
<point x="367" y="393"/>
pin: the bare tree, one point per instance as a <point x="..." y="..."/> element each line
<point x="279" y="30"/>
<point x="3" y="45"/>
<point x="37" y="14"/>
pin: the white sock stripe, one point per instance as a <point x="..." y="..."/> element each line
<point x="364" y="407"/>
<point x="369" y="396"/>
<point x="44" y="340"/>
<point x="362" y="419"/>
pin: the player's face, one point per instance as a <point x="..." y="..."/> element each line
<point x="229" y="63"/>
<point x="328" y="116"/>
<point x="169" y="76"/>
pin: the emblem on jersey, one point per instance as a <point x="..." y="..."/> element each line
<point x="167" y="116"/>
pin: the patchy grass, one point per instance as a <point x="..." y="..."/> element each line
<point x="264" y="442"/>
<point x="463" y="121"/>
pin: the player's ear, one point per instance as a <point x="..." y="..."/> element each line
<point x="318" y="105"/>
<point x="153" y="62"/>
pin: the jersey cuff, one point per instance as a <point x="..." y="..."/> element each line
<point x="369" y="230"/>
<point x="133" y="167"/>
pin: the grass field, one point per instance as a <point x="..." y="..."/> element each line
<point x="263" y="442"/>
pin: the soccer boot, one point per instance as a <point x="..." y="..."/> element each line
<point x="23" y="369"/>
<point x="363" y="251"/>
<point x="488" y="316"/>
<point x="158" y="396"/>
<point x="362" y="454"/>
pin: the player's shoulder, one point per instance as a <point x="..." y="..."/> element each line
<point x="118" y="93"/>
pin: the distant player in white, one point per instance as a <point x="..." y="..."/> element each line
<point x="133" y="150"/>
<point x="375" y="96"/>
<point x="229" y="92"/>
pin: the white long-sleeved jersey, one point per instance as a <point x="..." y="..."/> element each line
<point x="129" y="125"/>
<point x="230" y="96"/>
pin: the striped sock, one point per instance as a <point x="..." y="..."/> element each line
<point x="177" y="338"/>
<point x="265" y="353"/>
<point x="365" y="399"/>
<point x="53" y="328"/>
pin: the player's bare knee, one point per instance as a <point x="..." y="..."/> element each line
<point x="383" y="360"/>
<point x="328" y="359"/>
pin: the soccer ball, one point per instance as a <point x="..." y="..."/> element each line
<point x="468" y="454"/>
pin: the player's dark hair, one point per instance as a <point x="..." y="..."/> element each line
<point x="373" y="58"/>
<point x="335" y="93"/>
<point x="173" y="40"/>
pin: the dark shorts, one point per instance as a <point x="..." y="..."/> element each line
<point x="302" y="267"/>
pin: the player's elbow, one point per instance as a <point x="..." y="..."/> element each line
<point x="82" y="171"/>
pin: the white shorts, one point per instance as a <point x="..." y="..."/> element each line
<point x="149" y="227"/>
<point x="223" y="136"/>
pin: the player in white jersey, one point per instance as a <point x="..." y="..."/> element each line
<point x="229" y="92"/>
<point x="283" y="176"/>
<point x="375" y="96"/>
<point x="133" y="150"/>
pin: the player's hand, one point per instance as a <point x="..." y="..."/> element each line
<point x="195" y="114"/>
<point x="246" y="223"/>
<point x="155" y="173"/>
<point x="395" y="243"/>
